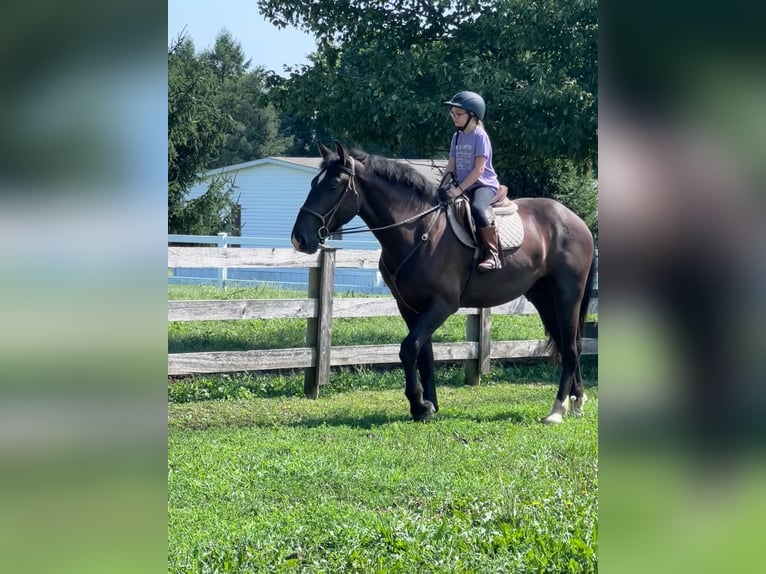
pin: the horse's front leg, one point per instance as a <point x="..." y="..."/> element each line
<point x="427" y="373"/>
<point x="416" y="353"/>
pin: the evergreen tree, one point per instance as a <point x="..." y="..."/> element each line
<point x="255" y="130"/>
<point x="196" y="129"/>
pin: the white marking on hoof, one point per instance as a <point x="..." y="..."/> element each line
<point x="558" y="410"/>
<point x="578" y="405"/>
<point x="553" y="419"/>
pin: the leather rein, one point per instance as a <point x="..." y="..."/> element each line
<point x="323" y="232"/>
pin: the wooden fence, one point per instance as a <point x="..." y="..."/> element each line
<point x="319" y="309"/>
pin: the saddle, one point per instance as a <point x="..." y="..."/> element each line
<point x="510" y="228"/>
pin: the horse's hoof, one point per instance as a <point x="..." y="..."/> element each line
<point x="427" y="414"/>
<point x="558" y="410"/>
<point x="553" y="419"/>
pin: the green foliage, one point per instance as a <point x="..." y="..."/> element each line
<point x="209" y="213"/>
<point x="217" y="116"/>
<point x="382" y="71"/>
<point x="196" y="129"/>
<point x="255" y="132"/>
<point x="391" y="66"/>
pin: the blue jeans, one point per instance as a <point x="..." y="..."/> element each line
<point x="481" y="206"/>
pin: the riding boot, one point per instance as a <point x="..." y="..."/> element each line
<point x="490" y="241"/>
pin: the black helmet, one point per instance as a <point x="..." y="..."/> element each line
<point x="469" y="101"/>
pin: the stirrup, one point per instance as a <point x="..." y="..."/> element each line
<point x="489" y="264"/>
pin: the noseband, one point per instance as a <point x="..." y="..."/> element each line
<point x="323" y="232"/>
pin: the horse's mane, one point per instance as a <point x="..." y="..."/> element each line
<point x="392" y="171"/>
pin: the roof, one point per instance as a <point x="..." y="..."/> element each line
<point x="427" y="167"/>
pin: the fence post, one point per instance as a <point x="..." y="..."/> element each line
<point x="477" y="329"/>
<point x="222" y="270"/>
<point x="319" y="330"/>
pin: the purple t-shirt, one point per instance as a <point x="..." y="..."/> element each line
<point x="465" y="147"/>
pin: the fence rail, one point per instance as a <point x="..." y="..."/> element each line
<point x="319" y="309"/>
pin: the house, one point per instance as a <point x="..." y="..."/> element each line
<point x="270" y="192"/>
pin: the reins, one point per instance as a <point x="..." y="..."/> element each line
<point x="323" y="233"/>
<point x="364" y="228"/>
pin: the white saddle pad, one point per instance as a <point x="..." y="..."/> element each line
<point x="509" y="226"/>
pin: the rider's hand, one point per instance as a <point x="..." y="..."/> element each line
<point x="454" y="192"/>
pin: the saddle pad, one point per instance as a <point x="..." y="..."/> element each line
<point x="510" y="228"/>
<point x="458" y="223"/>
<point x="506" y="208"/>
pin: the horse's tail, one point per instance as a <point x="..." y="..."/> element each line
<point x="586" y="297"/>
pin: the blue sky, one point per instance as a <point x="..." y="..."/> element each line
<point x="265" y="44"/>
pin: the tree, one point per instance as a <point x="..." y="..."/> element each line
<point x="196" y="130"/>
<point x="382" y="70"/>
<point x="218" y="115"/>
<point x="255" y="130"/>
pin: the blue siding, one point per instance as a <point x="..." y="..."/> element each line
<point x="270" y="192"/>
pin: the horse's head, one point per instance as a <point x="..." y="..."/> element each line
<point x="332" y="201"/>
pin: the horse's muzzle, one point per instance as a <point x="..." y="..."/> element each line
<point x="303" y="246"/>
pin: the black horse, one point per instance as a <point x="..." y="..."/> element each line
<point x="432" y="274"/>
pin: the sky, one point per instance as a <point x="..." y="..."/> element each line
<point x="263" y="43"/>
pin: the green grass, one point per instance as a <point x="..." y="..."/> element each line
<point x="348" y="484"/>
<point x="290" y="383"/>
<point x="262" y="480"/>
<point x="184" y="337"/>
<point x="187" y="292"/>
<point x="197" y="336"/>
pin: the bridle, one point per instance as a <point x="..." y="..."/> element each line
<point x="323" y="232"/>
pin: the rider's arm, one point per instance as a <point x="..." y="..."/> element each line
<point x="478" y="169"/>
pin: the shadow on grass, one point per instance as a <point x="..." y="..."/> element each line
<point x="369" y="421"/>
<point x="365" y="421"/>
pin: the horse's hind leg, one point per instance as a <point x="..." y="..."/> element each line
<point x="543" y="296"/>
<point x="578" y="397"/>
<point x="567" y="296"/>
<point x="558" y="303"/>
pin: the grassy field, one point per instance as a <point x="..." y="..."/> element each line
<point x="263" y="480"/>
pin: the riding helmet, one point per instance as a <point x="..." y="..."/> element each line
<point x="469" y="101"/>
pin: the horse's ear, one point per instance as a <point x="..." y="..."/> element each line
<point x="324" y="151"/>
<point x="341" y="152"/>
